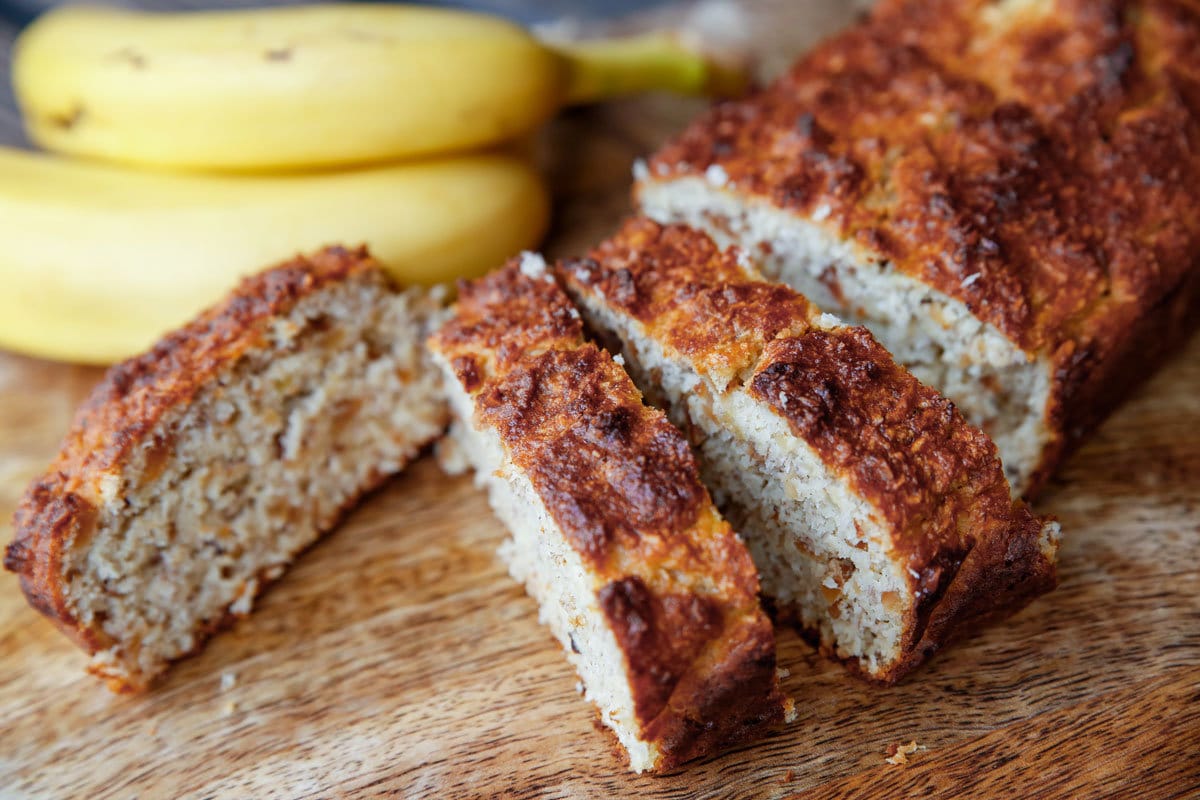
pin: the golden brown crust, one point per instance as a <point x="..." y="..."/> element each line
<point x="563" y="403"/>
<point x="721" y="321"/>
<point x="899" y="445"/>
<point x="970" y="551"/>
<point x="60" y="509"/>
<point x="1039" y="167"/>
<point x="678" y="587"/>
<point x="902" y="446"/>
<point x="695" y="669"/>
<point x="48" y="520"/>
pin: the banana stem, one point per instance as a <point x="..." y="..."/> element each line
<point x="605" y="68"/>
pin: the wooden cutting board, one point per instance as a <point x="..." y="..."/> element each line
<point x="398" y="659"/>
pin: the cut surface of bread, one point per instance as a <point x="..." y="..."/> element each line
<point x="651" y="594"/>
<point x="1003" y="192"/>
<point x="879" y="520"/>
<point x="195" y="473"/>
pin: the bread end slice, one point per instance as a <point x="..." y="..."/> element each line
<point x="650" y="593"/>
<point x="195" y="473"/>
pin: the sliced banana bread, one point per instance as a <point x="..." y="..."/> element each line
<point x="651" y="594"/>
<point x="879" y="520"/>
<point x="195" y="473"/>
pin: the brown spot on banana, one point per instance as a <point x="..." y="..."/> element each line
<point x="131" y="57"/>
<point x="67" y="120"/>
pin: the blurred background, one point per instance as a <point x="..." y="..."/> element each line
<point x="732" y="26"/>
<point x="527" y="11"/>
<point x="15" y="13"/>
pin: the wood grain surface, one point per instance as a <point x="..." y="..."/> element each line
<point x="398" y="659"/>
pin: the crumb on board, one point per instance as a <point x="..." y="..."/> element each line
<point x="229" y="708"/>
<point x="228" y="679"/>
<point x="898" y="754"/>
<point x="789" y="776"/>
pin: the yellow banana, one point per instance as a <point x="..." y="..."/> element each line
<point x="320" y="85"/>
<point x="96" y="262"/>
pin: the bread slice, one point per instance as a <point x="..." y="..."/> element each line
<point x="1003" y="192"/>
<point x="879" y="520"/>
<point x="651" y="594"/>
<point x="196" y="472"/>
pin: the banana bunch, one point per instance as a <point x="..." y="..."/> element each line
<point x="238" y="138"/>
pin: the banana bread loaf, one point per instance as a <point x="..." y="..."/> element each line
<point x="1006" y="192"/>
